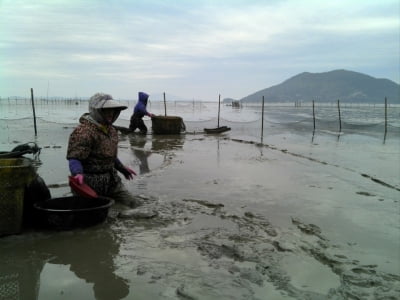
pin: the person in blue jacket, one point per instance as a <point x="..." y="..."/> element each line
<point x="139" y="112"/>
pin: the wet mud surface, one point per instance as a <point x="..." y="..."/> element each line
<point x="244" y="256"/>
<point x="221" y="218"/>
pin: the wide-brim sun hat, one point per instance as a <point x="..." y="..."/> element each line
<point x="113" y="104"/>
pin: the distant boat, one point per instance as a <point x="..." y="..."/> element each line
<point x="236" y="104"/>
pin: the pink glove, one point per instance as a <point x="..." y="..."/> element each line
<point x="79" y="178"/>
<point x="129" y="173"/>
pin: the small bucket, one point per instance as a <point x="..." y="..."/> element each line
<point x="15" y="175"/>
<point x="167" y="124"/>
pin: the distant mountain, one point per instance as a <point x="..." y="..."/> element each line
<point x="348" y="86"/>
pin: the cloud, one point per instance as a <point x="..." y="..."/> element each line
<point x="160" y="43"/>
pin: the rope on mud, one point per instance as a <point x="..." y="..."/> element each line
<point x="380" y="181"/>
<point x="376" y="180"/>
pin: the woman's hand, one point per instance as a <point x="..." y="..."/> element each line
<point x="79" y="178"/>
<point x="128" y="173"/>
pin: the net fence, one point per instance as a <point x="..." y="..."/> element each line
<point x="249" y="119"/>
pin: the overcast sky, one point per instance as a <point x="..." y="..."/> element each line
<point x="191" y="49"/>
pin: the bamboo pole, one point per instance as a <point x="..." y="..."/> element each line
<point x="165" y="105"/>
<point x="219" y="104"/>
<point x="385" y="116"/>
<point x="34" y="114"/>
<point x="313" y="113"/>
<point x="340" y="119"/>
<point x="262" y="119"/>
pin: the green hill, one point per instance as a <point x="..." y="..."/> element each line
<point x="330" y="86"/>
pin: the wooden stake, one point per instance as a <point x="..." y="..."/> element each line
<point x="313" y="113"/>
<point x="340" y="119"/>
<point x="33" y="109"/>
<point x="219" y="104"/>
<point x="385" y="115"/>
<point x="262" y="119"/>
<point x="165" y="105"/>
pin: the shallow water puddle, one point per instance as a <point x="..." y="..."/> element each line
<point x="308" y="274"/>
<point x="57" y="281"/>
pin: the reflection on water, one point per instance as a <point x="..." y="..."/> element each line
<point x="141" y="154"/>
<point x="89" y="255"/>
<point x="159" y="144"/>
<point x="167" y="142"/>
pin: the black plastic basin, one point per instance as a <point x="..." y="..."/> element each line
<point x="72" y="212"/>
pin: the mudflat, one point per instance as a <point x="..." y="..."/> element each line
<point x="222" y="217"/>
